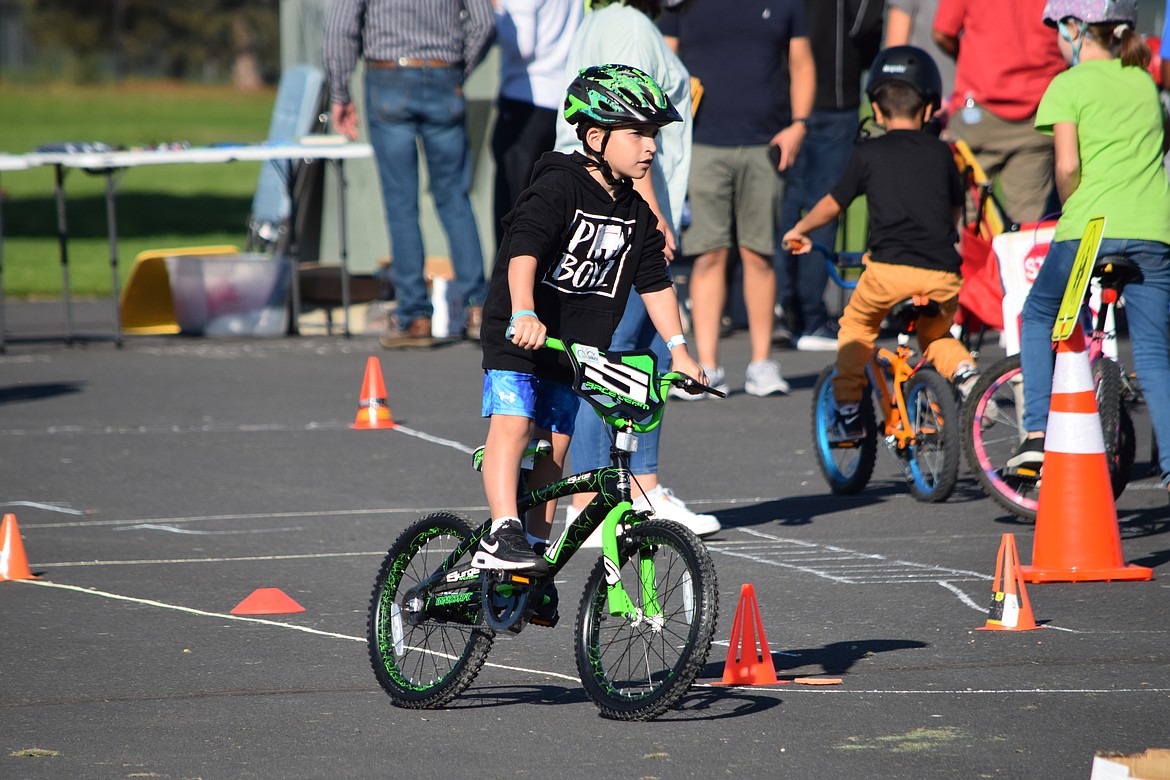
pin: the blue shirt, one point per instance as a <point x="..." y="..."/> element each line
<point x="738" y="50"/>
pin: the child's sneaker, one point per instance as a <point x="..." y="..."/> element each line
<point x="667" y="506"/>
<point x="849" y="426"/>
<point x="763" y="378"/>
<point x="507" y="548"/>
<point x="546" y="614"/>
<point x="1029" y="454"/>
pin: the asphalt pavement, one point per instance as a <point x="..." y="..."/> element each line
<point x="158" y="485"/>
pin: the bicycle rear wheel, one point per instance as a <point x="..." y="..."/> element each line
<point x="424" y="642"/>
<point x="845" y="465"/>
<point x="935" y="452"/>
<point x="1116" y="425"/>
<point x="635" y="667"/>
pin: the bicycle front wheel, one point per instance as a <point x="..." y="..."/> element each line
<point x="992" y="429"/>
<point x="934" y="453"/>
<point x="637" y="666"/>
<point x="846" y="465"/>
<point x="425" y="642"/>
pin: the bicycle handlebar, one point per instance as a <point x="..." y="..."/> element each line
<point x="674" y="378"/>
<point x="836" y="262"/>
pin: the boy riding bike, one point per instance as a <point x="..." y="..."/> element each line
<point x="577" y="241"/>
<point x="914" y="196"/>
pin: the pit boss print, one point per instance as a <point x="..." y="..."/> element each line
<point x="592" y="262"/>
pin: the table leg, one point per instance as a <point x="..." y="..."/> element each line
<point x="112" y="230"/>
<point x="342" y="248"/>
<point x="63" y="243"/>
<point x="3" y="348"/>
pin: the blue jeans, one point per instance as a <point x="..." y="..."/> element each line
<point x="404" y="105"/>
<point x="589" y="448"/>
<point x="800" y="281"/>
<point x="1147" y="309"/>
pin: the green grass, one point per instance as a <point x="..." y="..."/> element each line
<point x="158" y="206"/>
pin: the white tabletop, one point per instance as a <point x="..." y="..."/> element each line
<point x="15" y="162"/>
<point x="203" y="154"/>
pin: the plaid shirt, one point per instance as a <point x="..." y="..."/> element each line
<point x="455" y="31"/>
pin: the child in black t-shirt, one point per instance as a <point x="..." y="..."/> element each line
<point x="914" y="196"/>
<point x="577" y="242"/>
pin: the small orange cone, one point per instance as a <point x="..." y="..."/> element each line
<point x="1077" y="539"/>
<point x="13" y="561"/>
<point x="373" y="410"/>
<point x="748" y="664"/>
<point x="1010" y="609"/>
<point x="267" y="601"/>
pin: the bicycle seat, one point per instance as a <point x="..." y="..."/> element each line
<point x="909" y="310"/>
<point x="1116" y="271"/>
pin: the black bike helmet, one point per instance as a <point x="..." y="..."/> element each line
<point x="611" y="95"/>
<point x="909" y="65"/>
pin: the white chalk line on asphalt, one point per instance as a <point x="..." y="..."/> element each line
<point x="559" y="676"/>
<point x="131" y="430"/>
<point x="260" y="621"/>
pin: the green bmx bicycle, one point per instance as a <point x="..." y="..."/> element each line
<point x="646" y="618"/>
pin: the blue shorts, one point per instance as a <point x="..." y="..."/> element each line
<point x="551" y="405"/>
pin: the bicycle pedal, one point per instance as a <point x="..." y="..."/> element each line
<point x="545" y="622"/>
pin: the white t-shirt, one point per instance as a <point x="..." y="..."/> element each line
<point x="534" y="38"/>
<point x="618" y="34"/>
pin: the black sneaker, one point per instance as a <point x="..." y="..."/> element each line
<point x="507" y="549"/>
<point x="546" y="613"/>
<point x="964" y="382"/>
<point x="1028" y="455"/>
<point x="849" y="425"/>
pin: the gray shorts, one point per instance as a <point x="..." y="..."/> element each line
<point x="735" y="194"/>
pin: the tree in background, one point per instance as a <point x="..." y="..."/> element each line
<point x="201" y="40"/>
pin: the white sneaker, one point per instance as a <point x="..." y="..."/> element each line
<point x="716" y="378"/>
<point x="594" y="539"/>
<point x="667" y="506"/>
<point x="813" y="342"/>
<point x="763" y="378"/>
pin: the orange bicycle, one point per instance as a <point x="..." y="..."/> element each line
<point x="920" y="413"/>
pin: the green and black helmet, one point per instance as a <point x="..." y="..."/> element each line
<point x="611" y="95"/>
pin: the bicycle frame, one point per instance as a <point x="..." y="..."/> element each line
<point x="893" y="401"/>
<point x="611" y="507"/>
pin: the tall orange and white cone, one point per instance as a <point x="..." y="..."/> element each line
<point x="1077" y="539"/>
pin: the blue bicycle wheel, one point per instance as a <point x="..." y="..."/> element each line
<point x="846" y="464"/>
<point x="934" y="453"/>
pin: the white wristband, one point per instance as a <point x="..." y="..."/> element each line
<point x="675" y="341"/>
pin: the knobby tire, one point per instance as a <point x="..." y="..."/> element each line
<point x="636" y="670"/>
<point x="436" y="657"/>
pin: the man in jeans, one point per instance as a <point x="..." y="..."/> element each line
<point x="417" y="58"/>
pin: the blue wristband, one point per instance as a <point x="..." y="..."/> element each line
<point x="676" y="341"/>
<point x="522" y="313"/>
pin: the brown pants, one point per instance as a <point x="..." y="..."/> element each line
<point x="880" y="288"/>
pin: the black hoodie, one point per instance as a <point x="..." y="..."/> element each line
<point x="590" y="249"/>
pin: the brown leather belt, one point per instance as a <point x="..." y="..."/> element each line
<point x="409" y="62"/>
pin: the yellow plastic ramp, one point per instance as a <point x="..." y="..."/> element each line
<point x="147" y="305"/>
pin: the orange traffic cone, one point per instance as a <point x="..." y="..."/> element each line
<point x="13" y="561"/>
<point x="373" y="410"/>
<point x="1077" y="539"/>
<point x="748" y="664"/>
<point x="267" y="601"/>
<point x="1010" y="609"/>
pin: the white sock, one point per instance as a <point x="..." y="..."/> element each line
<point x="500" y="521"/>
